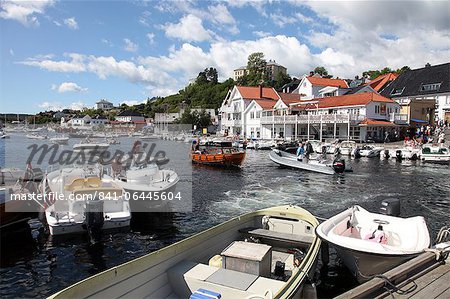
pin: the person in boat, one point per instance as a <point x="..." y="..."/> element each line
<point x="300" y="152"/>
<point x="309" y="149"/>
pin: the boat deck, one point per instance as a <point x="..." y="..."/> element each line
<point x="420" y="278"/>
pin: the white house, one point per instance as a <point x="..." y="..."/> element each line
<point x="354" y="116"/>
<point x="417" y="87"/>
<point x="80" y="121"/>
<point x="236" y="102"/>
<point x="316" y="87"/>
<point x="99" y="120"/>
<point x="104" y="105"/>
<point x="130" y="116"/>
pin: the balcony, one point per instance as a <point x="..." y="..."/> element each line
<point x="397" y="118"/>
<point x="312" y="119"/>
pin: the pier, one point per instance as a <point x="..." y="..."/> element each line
<point x="422" y="277"/>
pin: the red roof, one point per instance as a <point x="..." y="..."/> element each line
<point x="253" y="93"/>
<point x="375" y="122"/>
<point x="266" y="103"/>
<point x="379" y="82"/>
<point x="358" y="99"/>
<point x="328" y="82"/>
<point x="290" y="98"/>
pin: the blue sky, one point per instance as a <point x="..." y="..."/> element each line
<point x="58" y="54"/>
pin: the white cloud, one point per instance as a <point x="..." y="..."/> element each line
<point x="190" y="28"/>
<point x="107" y="42"/>
<point x="281" y="20"/>
<point x="130" y="46"/>
<point x="11" y="52"/>
<point x="24" y="12"/>
<point x="71" y="23"/>
<point x="143" y="19"/>
<point x="55" y="106"/>
<point x="219" y="14"/>
<point x="68" y="87"/>
<point x="57" y="23"/>
<point x="261" y="33"/>
<point x="75" y="65"/>
<point x="151" y="37"/>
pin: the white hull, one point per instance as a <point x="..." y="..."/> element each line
<point x="370" y="243"/>
<point x="200" y="262"/>
<point x="64" y="228"/>
<point x="290" y="160"/>
<point x="435" y="154"/>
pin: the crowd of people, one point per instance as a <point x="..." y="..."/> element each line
<point x="426" y="134"/>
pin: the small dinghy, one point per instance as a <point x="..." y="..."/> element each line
<point x="268" y="253"/>
<point x="370" y="244"/>
<point x="290" y="160"/>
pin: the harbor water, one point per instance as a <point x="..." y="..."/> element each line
<point x="35" y="265"/>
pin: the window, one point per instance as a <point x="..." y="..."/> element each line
<point x="397" y="91"/>
<point x="377" y="109"/>
<point x="252" y="115"/>
<point x="430" y="87"/>
<point x="258" y="114"/>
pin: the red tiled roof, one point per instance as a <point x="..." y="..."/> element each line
<point x="290" y="98"/>
<point x="328" y="82"/>
<point x="358" y="99"/>
<point x="375" y="122"/>
<point x="248" y="92"/>
<point x="266" y="103"/>
<point x="379" y="82"/>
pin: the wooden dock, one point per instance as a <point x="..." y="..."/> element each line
<point x="422" y="277"/>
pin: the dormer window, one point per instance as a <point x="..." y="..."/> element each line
<point x="397" y="91"/>
<point x="430" y="87"/>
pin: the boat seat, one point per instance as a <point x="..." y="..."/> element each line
<point x="279" y="236"/>
<point x="77" y="183"/>
<point x="186" y="277"/>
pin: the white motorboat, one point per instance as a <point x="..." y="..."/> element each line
<point x="322" y="166"/>
<point x="36" y="136"/>
<point x="404" y="153"/>
<point x="346" y="147"/>
<point x="60" y="140"/>
<point x="263" y="254"/>
<point x="251" y="144"/>
<point x="147" y="186"/>
<point x="3" y="135"/>
<point x="264" y="145"/>
<point x="435" y="154"/>
<point x="79" y="200"/>
<point x="370" y="243"/>
<point x="88" y="146"/>
<point x="369" y="151"/>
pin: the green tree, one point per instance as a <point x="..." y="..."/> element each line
<point x="256" y="66"/>
<point x="322" y="71"/>
<point x="280" y="80"/>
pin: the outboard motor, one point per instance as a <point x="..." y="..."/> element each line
<point x="386" y="154"/>
<point x="398" y="155"/>
<point x="339" y="165"/>
<point x="94" y="219"/>
<point x="356" y="153"/>
<point x="390" y="207"/>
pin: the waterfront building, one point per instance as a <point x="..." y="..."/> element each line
<point x="130" y="116"/>
<point x="311" y="87"/>
<point x="358" y="117"/>
<point x="104" y="105"/>
<point x="424" y="93"/>
<point x="236" y="102"/>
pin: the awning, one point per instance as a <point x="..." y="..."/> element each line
<point x="419" y="121"/>
<point x="378" y="123"/>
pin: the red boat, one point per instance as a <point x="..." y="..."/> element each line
<point x="217" y="154"/>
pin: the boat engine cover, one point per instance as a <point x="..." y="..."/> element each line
<point x="339" y="165"/>
<point x="94" y="219"/>
<point x="390" y="206"/>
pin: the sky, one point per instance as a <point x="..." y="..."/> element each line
<point x="70" y="54"/>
